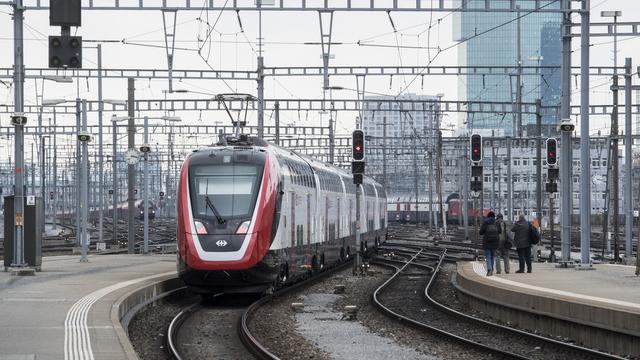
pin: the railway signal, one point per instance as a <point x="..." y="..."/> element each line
<point x="65" y="51"/>
<point x="552" y="152"/>
<point x="476" y="178"/>
<point x="358" y="145"/>
<point x="357" y="165"/>
<point x="476" y="148"/>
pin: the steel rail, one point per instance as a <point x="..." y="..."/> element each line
<point x="422" y="326"/>
<point x="573" y="347"/>
<point x="171" y="346"/>
<point x="252" y="344"/>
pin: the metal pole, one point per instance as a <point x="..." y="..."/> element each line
<point x="552" y="256"/>
<point x="566" y="156"/>
<point x="78" y="175"/>
<point x="607" y="199"/>
<point x="100" y="188"/>
<point x="465" y="169"/>
<point x="628" y="140"/>
<point x="519" y="84"/>
<point x="615" y="169"/>
<point x="146" y="188"/>
<point x="415" y="174"/>
<point x="539" y="167"/>
<point x="55" y="172"/>
<point x="429" y="179"/>
<point x="511" y="216"/>
<point x="260" y="74"/>
<point x="42" y="179"/>
<point x="131" y="169"/>
<point x="18" y="81"/>
<point x="439" y="184"/>
<point x="384" y="153"/>
<point x="332" y="140"/>
<point x="277" y="111"/>
<point x="585" y="161"/>
<point x="84" y="194"/>
<point x="493" y="176"/>
<point x="42" y="165"/>
<point x="356" y="264"/>
<point x="114" y="169"/>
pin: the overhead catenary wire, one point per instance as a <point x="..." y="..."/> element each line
<point x="473" y="37"/>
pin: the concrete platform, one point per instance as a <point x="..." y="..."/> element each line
<point x="600" y="308"/>
<point x="66" y="310"/>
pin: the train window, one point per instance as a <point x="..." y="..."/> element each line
<point x="232" y="189"/>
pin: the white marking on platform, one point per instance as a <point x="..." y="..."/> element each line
<point x="77" y="343"/>
<point x="479" y="269"/>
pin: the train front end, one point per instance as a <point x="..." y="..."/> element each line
<point x="226" y="202"/>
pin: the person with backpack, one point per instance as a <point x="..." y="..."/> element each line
<point x="522" y="241"/>
<point x="504" y="245"/>
<point x="490" y="241"/>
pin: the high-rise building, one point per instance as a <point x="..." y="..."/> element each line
<point x="491" y="39"/>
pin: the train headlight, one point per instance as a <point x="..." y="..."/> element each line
<point x="200" y="228"/>
<point x="244" y="227"/>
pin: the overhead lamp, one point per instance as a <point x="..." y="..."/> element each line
<point x="171" y="118"/>
<point x="114" y="102"/>
<point x="58" y="78"/>
<point x="612" y="14"/>
<point x="52" y="102"/>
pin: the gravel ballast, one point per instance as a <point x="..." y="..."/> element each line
<point x="286" y="339"/>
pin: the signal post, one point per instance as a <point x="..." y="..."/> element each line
<point x="357" y="169"/>
<point x="553" y="173"/>
<point x="476" y="176"/>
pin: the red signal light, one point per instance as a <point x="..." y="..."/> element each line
<point x="476" y="148"/>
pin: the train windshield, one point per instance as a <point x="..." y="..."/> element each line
<point x="232" y="189"/>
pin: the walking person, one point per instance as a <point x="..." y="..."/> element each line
<point x="504" y="245"/>
<point x="490" y="240"/>
<point x="522" y="242"/>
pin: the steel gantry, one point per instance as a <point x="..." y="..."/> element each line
<point x="289" y="71"/>
<point x="304" y="5"/>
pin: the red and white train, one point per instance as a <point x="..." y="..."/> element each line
<point x="252" y="215"/>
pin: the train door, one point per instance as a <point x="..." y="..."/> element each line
<point x="309" y="249"/>
<point x="294" y="231"/>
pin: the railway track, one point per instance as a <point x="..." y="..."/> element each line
<point x="239" y="319"/>
<point x="161" y="232"/>
<point x="405" y="298"/>
<point x="456" y="238"/>
<point x="189" y="326"/>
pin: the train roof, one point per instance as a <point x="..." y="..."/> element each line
<point x="246" y="142"/>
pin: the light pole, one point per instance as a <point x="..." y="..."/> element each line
<point x="52" y="102"/>
<point x="614" y="132"/>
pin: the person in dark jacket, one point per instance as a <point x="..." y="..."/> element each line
<point x="504" y="245"/>
<point x="490" y="241"/>
<point x="522" y="242"/>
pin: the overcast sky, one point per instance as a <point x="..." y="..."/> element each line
<point x="285" y="36"/>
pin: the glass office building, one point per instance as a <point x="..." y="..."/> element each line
<point x="540" y="45"/>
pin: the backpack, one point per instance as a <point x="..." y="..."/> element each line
<point x="534" y="235"/>
<point x="492" y="232"/>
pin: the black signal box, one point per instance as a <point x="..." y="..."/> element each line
<point x="357" y="179"/>
<point x="65" y="12"/>
<point x="65" y="51"/>
<point x="476" y="171"/>
<point x="357" y="167"/>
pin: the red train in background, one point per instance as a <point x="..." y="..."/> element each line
<point x="253" y="216"/>
<point x="455" y="212"/>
